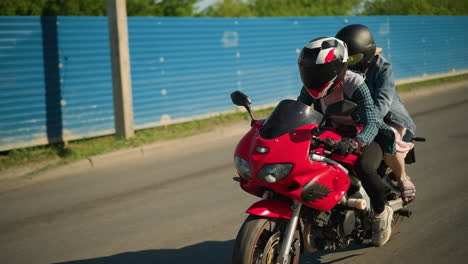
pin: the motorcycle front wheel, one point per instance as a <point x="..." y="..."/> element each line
<point x="259" y="241"/>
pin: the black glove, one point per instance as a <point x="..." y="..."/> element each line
<point x="345" y="146"/>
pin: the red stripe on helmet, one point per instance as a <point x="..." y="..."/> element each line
<point x="313" y="93"/>
<point x="330" y="56"/>
<point x="316" y="93"/>
<point x="324" y="90"/>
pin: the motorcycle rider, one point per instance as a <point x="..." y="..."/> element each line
<point x="323" y="69"/>
<point x="366" y="58"/>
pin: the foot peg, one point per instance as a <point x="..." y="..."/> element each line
<point x="405" y="212"/>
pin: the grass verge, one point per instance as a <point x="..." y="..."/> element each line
<point x="415" y="85"/>
<point x="59" y="154"/>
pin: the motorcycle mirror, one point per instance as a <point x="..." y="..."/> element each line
<point x="342" y="108"/>
<point x="240" y="99"/>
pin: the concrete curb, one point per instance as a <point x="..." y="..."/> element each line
<point x="23" y="177"/>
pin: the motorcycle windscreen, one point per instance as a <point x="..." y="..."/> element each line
<point x="287" y="116"/>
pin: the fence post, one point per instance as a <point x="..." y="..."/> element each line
<point x="121" y="80"/>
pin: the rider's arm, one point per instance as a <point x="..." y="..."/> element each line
<point x="384" y="91"/>
<point x="366" y="113"/>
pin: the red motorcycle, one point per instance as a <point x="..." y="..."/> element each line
<point x="311" y="197"/>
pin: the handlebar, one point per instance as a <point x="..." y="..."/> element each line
<point x="357" y="153"/>
<point x="330" y="143"/>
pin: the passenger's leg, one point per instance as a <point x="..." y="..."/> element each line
<point x="397" y="164"/>
<point x="367" y="167"/>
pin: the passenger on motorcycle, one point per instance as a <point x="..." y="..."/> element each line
<point x="365" y="58"/>
<point x="323" y="69"/>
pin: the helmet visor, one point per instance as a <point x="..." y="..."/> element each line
<point x="355" y="59"/>
<point x="317" y="77"/>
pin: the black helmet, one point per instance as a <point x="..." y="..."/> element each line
<point x="361" y="46"/>
<point x="322" y="65"/>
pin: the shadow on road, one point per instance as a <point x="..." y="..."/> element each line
<point x="315" y="258"/>
<point x="210" y="252"/>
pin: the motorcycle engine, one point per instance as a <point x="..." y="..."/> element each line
<point x="329" y="230"/>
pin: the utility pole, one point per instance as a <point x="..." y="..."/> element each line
<point x="121" y="80"/>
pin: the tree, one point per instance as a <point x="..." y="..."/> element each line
<point x="237" y="8"/>
<point x="95" y="7"/>
<point x="230" y="8"/>
<point x="275" y="8"/>
<point x="178" y="7"/>
<point x="22" y="8"/>
<point x="75" y="8"/>
<point x="304" y="7"/>
<point x="143" y="8"/>
<point x="415" y="7"/>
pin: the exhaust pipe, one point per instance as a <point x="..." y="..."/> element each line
<point x="405" y="212"/>
<point x="309" y="242"/>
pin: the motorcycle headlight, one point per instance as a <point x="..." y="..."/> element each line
<point x="274" y="172"/>
<point x="243" y="168"/>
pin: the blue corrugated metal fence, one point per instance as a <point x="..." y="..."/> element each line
<point x="23" y="106"/>
<point x="55" y="73"/>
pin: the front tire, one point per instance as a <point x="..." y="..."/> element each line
<point x="259" y="241"/>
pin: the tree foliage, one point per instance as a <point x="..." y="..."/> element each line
<point x="75" y="8"/>
<point x="22" y="8"/>
<point x="95" y="7"/>
<point x="267" y="8"/>
<point x="415" y="7"/>
<point x="230" y="8"/>
<point x="237" y="8"/>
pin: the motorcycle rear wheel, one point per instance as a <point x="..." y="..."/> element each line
<point x="259" y="241"/>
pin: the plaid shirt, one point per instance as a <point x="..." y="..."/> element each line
<point x="355" y="89"/>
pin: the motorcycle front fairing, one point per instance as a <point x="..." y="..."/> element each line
<point x="284" y="138"/>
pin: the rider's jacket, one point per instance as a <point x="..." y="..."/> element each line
<point x="379" y="79"/>
<point x="355" y="90"/>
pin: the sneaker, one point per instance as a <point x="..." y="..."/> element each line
<point x="382" y="227"/>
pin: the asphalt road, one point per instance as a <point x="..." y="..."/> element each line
<point x="182" y="206"/>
